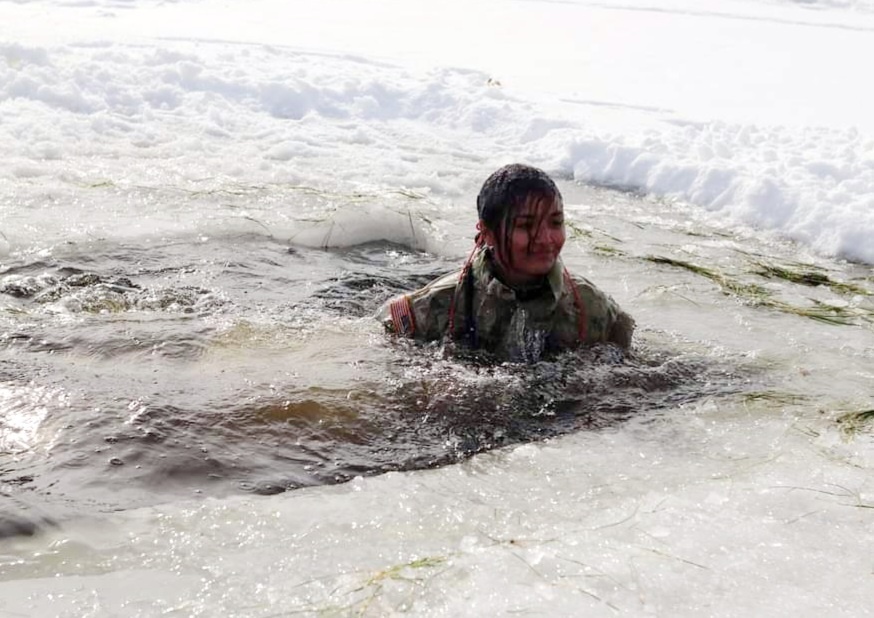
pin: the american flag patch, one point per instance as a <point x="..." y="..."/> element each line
<point x="402" y="317"/>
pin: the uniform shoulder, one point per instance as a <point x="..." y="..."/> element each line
<point x="617" y="324"/>
<point x="444" y="284"/>
<point x="588" y="289"/>
<point x="421" y="313"/>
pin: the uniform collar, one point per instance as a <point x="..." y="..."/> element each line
<point x="483" y="269"/>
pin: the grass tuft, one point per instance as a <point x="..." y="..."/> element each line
<point x="608" y="251"/>
<point x="398" y="571"/>
<point x="808" y="277"/>
<point x="748" y="291"/>
<point x="852" y="423"/>
<point x="774" y="397"/>
<point x="824" y="312"/>
<point x="577" y="231"/>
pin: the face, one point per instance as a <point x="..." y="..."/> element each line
<point x="536" y="237"/>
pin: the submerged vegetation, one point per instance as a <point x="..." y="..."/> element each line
<point x="773" y="397"/>
<point x="810" y="278"/>
<point x="852" y="423"/>
<point x="838" y="313"/>
<point x="728" y="285"/>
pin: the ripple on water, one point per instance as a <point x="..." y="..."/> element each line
<point x="207" y="381"/>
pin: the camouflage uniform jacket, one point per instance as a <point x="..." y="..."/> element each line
<point x="516" y="325"/>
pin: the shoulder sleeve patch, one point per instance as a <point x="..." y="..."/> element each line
<point x="402" y="316"/>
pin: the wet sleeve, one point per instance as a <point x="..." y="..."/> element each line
<point x="621" y="327"/>
<point x="607" y="321"/>
<point x="423" y="314"/>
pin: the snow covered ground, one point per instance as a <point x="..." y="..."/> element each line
<point x="756" y="111"/>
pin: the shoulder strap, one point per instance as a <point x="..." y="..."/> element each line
<point x="582" y="319"/>
<point x="465" y="279"/>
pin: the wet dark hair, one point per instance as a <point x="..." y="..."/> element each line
<point x="506" y="191"/>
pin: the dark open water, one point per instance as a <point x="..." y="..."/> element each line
<point x="139" y="373"/>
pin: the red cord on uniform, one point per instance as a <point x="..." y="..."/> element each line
<point x="582" y="319"/>
<point x="477" y="243"/>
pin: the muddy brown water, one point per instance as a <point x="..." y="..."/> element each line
<point x="136" y="374"/>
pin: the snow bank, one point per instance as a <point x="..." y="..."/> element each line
<point x="814" y="185"/>
<point x="174" y="113"/>
<point x="303" y="111"/>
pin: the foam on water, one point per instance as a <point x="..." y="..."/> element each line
<point x="239" y="363"/>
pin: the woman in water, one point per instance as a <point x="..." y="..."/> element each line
<point x="513" y="298"/>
